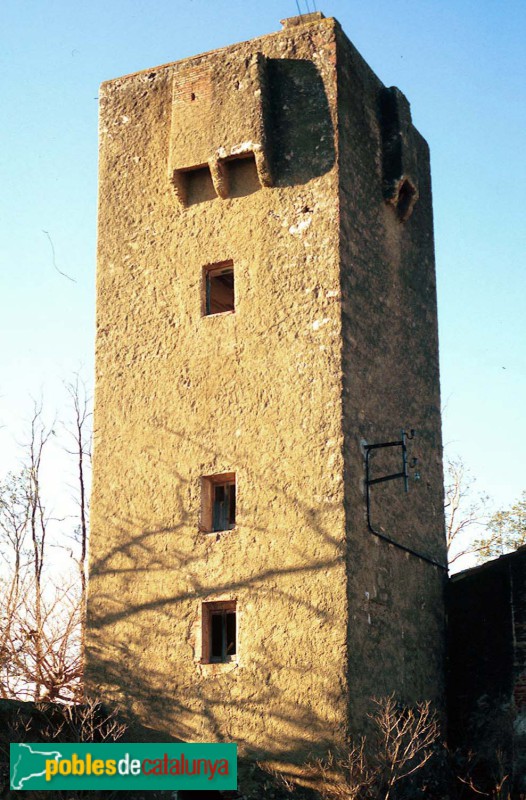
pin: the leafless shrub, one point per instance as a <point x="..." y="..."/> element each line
<point x="73" y="723"/>
<point x="347" y="775"/>
<point x="484" y="766"/>
<point x="404" y="739"/>
<point x="88" y="722"/>
<point x="480" y="776"/>
<point x="279" y="780"/>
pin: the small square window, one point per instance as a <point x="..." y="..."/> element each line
<point x="219" y="632"/>
<point x="218" y="502"/>
<point x="219" y="288"/>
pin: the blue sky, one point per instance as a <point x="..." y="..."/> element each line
<point x="462" y="65"/>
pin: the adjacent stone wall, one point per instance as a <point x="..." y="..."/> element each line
<point x="487" y="663"/>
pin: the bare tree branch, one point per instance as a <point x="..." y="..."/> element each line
<point x="54" y="258"/>
<point x="41" y="624"/>
<point x="465" y="510"/>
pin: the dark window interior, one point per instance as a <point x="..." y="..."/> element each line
<point x="220" y="289"/>
<point x="230" y="633"/>
<point x="224" y="506"/>
<point x="222" y="635"/>
<point x="406" y="200"/>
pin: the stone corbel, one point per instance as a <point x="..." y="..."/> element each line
<point x="219" y="175"/>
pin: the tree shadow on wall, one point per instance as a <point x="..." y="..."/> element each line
<point x="136" y="616"/>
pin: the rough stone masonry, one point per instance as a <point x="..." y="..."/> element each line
<point x="266" y="311"/>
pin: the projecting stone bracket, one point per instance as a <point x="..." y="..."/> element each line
<point x="207" y="135"/>
<point x="216" y="173"/>
<point x="219" y="175"/>
<point x="219" y="166"/>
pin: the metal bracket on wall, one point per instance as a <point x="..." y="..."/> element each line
<point x="402" y="475"/>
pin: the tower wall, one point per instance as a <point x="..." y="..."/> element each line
<point x="257" y="392"/>
<point x="279" y="158"/>
<point x="391" y="382"/>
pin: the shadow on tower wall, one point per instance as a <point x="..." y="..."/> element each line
<point x="301" y="130"/>
<point x="122" y="625"/>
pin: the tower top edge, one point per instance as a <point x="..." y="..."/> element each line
<point x="302" y="19"/>
<point x="289" y="26"/>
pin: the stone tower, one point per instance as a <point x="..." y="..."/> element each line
<point x="266" y="313"/>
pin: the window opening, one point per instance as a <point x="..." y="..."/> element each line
<point x="219" y="632"/>
<point x="219" y="289"/>
<point x="407" y="197"/>
<point x="224" y="509"/>
<point x="223" y="636"/>
<point x="218" y="506"/>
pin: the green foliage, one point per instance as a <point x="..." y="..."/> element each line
<point x="505" y="531"/>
